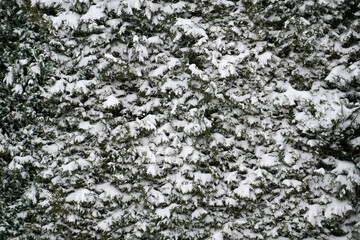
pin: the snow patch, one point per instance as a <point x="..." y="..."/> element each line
<point x="243" y="190"/>
<point x="95" y="12"/>
<point x="31" y="194"/>
<point x="53" y="149"/>
<point x="198" y="213"/>
<point x="313" y="214"/>
<point x="153" y="170"/>
<point x="165" y="212"/>
<point x="108" y="189"/>
<point x="80" y="195"/>
<point x="264" y="58"/>
<point x="105" y="224"/>
<point x="111" y="101"/>
<point x="217" y="236"/>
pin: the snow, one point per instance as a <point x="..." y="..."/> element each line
<point x="313" y="214"/>
<point x="31" y="194"/>
<point x="105" y="224"/>
<point x="70" y="19"/>
<point x="226" y="69"/>
<point x="264" y="58"/>
<point x="134" y="4"/>
<point x="154" y="40"/>
<point x="243" y="191"/>
<point x="156" y="197"/>
<point x="72" y="218"/>
<point x="190" y="28"/>
<point x="355" y="141"/>
<point x="320" y="171"/>
<point x="203" y="178"/>
<point x="25" y="159"/>
<point x="80" y="195"/>
<point x="79" y="139"/>
<point x="53" y="149"/>
<point x="18" y="89"/>
<point x="48" y="173"/>
<point x="83" y="163"/>
<point x="292" y="183"/>
<point x="217" y="236"/>
<point x="108" y="189"/>
<point x="9" y="76"/>
<point x="337" y="208"/>
<point x="267" y="160"/>
<point x="209" y="118"/>
<point x="35" y="69"/>
<point x="111" y="101"/>
<point x="85" y="60"/>
<point x="176" y="86"/>
<point x="85" y="125"/>
<point x="186" y="151"/>
<point x="59" y="86"/>
<point x="158" y="71"/>
<point x="195" y="70"/>
<point x="230" y="176"/>
<point x="344" y="167"/>
<point x="165" y="212"/>
<point x="153" y="169"/>
<point x="70" y="167"/>
<point x="149" y="122"/>
<point x="82" y="86"/>
<point x="186" y="187"/>
<point x="97" y="128"/>
<point x="198" y="213"/>
<point x="95" y="12"/>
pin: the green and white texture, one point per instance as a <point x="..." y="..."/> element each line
<point x="193" y="120"/>
<point x="24" y="68"/>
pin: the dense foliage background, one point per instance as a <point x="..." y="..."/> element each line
<point x="139" y="119"/>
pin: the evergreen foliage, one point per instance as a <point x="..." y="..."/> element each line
<point x="23" y="72"/>
<point x="188" y="120"/>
